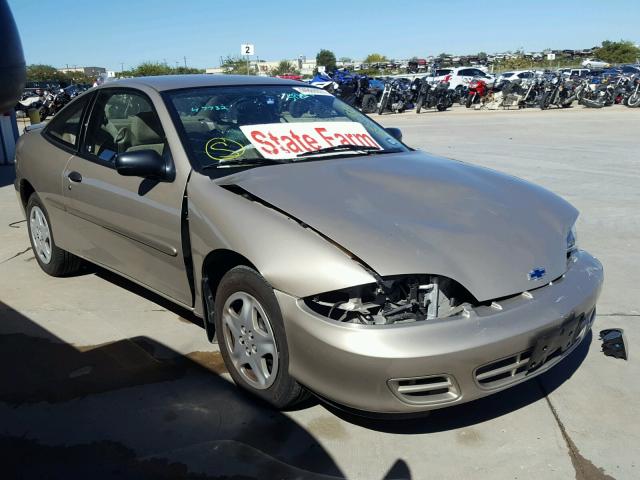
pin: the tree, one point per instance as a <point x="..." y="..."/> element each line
<point x="623" y="51"/>
<point x="41" y="73"/>
<point x="235" y="65"/>
<point x="326" y="58"/>
<point x="146" y="69"/>
<point x="156" y="68"/>
<point x="44" y="73"/>
<point x="284" y="67"/>
<point x="375" y="58"/>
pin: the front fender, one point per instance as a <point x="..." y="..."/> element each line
<point x="291" y="257"/>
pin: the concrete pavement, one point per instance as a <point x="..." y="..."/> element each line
<point x="102" y="378"/>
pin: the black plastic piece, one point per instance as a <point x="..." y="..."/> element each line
<point x="395" y="133"/>
<point x="613" y="344"/>
<point x="75" y="177"/>
<point x="142" y="163"/>
<point x="13" y="73"/>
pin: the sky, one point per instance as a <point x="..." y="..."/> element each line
<point x="109" y="33"/>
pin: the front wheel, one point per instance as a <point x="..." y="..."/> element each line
<point x="383" y="103"/>
<point x="419" y="103"/>
<point x="470" y="98"/>
<point x="634" y="100"/>
<point x="546" y="101"/>
<point x="252" y="339"/>
<point x="52" y="259"/>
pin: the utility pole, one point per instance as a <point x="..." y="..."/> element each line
<point x="121" y="67"/>
<point x="185" y="61"/>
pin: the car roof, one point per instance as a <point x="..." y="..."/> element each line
<point x="172" y="82"/>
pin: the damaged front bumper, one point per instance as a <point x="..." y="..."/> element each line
<point x="419" y="366"/>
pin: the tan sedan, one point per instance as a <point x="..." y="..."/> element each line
<point x="325" y="254"/>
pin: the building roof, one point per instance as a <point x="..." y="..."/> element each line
<point x="173" y="82"/>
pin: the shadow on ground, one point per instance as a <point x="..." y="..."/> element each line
<point x="136" y="409"/>
<point x="445" y="419"/>
<point x="7" y="175"/>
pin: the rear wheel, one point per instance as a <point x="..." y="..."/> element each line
<point x="52" y="259"/>
<point x="252" y="338"/>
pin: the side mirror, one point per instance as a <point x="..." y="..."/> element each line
<point x="142" y="163"/>
<point x="395" y="133"/>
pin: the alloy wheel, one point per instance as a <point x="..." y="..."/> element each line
<point x="40" y="234"/>
<point x="249" y="339"/>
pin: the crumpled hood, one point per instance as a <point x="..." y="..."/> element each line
<point x="415" y="213"/>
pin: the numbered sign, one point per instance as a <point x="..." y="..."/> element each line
<point x="246" y="49"/>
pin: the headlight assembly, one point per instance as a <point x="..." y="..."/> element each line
<point x="397" y="299"/>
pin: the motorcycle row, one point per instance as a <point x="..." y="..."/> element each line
<point x="553" y="90"/>
<point x="396" y="95"/>
<point x="46" y="102"/>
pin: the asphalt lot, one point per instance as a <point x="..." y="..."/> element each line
<point x="103" y="379"/>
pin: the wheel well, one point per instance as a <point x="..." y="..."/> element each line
<point x="216" y="264"/>
<point x="26" y="189"/>
<point x="219" y="262"/>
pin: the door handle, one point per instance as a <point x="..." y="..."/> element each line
<point x="75" y="177"/>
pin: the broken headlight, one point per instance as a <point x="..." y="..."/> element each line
<point x="397" y="299"/>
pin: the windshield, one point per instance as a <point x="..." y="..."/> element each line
<point x="255" y="125"/>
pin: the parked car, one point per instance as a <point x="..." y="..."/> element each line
<point x="323" y="252"/>
<point x="575" y="72"/>
<point x="461" y="77"/>
<point x="516" y="75"/>
<point x="630" y="69"/>
<point x="595" y="63"/>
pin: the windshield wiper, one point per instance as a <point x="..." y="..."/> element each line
<point x="243" y="162"/>
<point x="341" y="148"/>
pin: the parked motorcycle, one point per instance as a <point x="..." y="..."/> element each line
<point x="557" y="92"/>
<point x="429" y="95"/>
<point x="396" y="96"/>
<point x="478" y="89"/>
<point x="601" y="96"/>
<point x="633" y="98"/>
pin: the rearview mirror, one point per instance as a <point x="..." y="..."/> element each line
<point x="142" y="163"/>
<point x="395" y="133"/>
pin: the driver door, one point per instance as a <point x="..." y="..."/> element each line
<point x="129" y="224"/>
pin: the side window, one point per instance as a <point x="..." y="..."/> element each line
<point x="65" y="127"/>
<point x="122" y="122"/>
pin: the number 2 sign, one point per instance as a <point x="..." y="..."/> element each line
<point x="246" y="49"/>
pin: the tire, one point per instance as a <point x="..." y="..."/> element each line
<point x="369" y="103"/>
<point x="43" y="113"/>
<point x="634" y="100"/>
<point x="240" y="288"/>
<point x="470" y="99"/>
<point x="545" y="101"/>
<point x="52" y="259"/>
<point x="441" y="108"/>
<point x="419" y="103"/>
